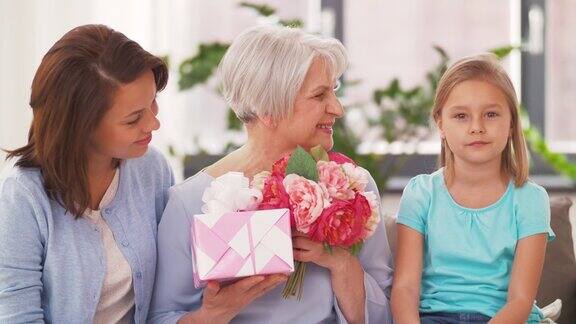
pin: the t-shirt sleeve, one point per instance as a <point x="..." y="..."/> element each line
<point x="415" y="203"/>
<point x="533" y="212"/>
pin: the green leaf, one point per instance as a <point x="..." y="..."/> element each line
<point x="503" y="51"/>
<point x="199" y="68"/>
<point x="302" y="164"/>
<point x="319" y="153"/>
<point x="328" y="248"/>
<point x="355" y="248"/>
<point x="294" y="23"/>
<point x="233" y="122"/>
<point x="262" y="10"/>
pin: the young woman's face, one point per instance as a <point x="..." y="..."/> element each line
<point x="126" y="129"/>
<point x="476" y="122"/>
<point x="316" y="109"/>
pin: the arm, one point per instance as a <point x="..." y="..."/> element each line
<point x="346" y="274"/>
<point x="21" y="256"/>
<point x="406" y="286"/>
<point x="175" y="299"/>
<point x="361" y="284"/>
<point x="525" y="278"/>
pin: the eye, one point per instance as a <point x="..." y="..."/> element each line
<point x="320" y="96"/>
<point x="337" y="85"/>
<point x="491" y="114"/>
<point x="136" y="120"/>
<point x="460" y="116"/>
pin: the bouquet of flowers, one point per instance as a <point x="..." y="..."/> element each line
<point x="324" y="192"/>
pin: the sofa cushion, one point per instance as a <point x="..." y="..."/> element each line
<point x="559" y="274"/>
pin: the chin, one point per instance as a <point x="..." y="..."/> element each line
<point x="327" y="145"/>
<point x="134" y="153"/>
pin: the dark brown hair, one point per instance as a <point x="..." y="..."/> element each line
<point x="71" y="91"/>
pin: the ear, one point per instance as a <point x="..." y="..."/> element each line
<point x="438" y="121"/>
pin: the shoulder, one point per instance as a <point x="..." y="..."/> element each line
<point x="424" y="183"/>
<point x="151" y="169"/>
<point x="190" y="191"/>
<point x="23" y="183"/>
<point x="24" y="204"/>
<point x="152" y="160"/>
<point x="531" y="195"/>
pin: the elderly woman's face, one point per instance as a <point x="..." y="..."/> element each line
<point x="316" y="109"/>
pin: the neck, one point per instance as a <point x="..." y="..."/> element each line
<point x="261" y="150"/>
<point x="471" y="174"/>
<point x="100" y="174"/>
<point x="99" y="166"/>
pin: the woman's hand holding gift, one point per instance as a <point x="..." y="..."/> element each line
<point x="221" y="303"/>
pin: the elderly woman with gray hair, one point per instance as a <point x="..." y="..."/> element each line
<point x="280" y="82"/>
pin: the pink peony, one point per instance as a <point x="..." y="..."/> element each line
<point x="343" y="223"/>
<point x="307" y="199"/>
<point x="334" y="179"/>
<point x="357" y="176"/>
<point x="374" y="219"/>
<point x="274" y="194"/>
<point x="279" y="167"/>
<point x="339" y="158"/>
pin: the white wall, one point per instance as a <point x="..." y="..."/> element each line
<point x="28" y="28"/>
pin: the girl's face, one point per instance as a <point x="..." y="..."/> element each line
<point x="316" y="109"/>
<point x="476" y="122"/>
<point x="126" y="128"/>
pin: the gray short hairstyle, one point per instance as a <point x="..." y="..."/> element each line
<point x="265" y="66"/>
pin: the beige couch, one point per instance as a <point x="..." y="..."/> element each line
<point x="559" y="274"/>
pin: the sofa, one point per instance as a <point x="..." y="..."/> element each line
<point x="558" y="279"/>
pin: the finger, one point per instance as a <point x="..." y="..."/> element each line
<point x="303" y="256"/>
<point x="245" y="284"/>
<point x="298" y="234"/>
<point x="304" y="243"/>
<point x="268" y="284"/>
<point x="212" y="289"/>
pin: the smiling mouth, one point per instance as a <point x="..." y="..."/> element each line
<point x="145" y="140"/>
<point x="325" y="126"/>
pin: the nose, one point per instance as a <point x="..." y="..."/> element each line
<point x="152" y="123"/>
<point x="335" y="106"/>
<point x="477" y="126"/>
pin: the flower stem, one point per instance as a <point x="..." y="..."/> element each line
<point x="294" y="286"/>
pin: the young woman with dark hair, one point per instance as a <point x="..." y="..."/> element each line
<point x="79" y="211"/>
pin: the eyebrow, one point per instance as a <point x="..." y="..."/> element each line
<point x="490" y="105"/>
<point x="134" y="113"/>
<point x="322" y="87"/>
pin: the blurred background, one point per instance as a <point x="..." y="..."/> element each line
<point x="398" y="50"/>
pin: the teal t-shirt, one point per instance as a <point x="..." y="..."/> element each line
<point x="468" y="253"/>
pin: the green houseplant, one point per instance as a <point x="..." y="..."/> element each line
<point x="403" y="113"/>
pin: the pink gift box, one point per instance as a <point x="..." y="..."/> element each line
<point x="239" y="244"/>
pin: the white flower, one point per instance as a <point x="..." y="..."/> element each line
<point x="230" y="192"/>
<point x="259" y="180"/>
<point x="357" y="176"/>
<point x="374" y="219"/>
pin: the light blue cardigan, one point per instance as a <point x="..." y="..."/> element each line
<point x="52" y="265"/>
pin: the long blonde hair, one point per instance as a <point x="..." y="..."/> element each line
<point x="487" y="68"/>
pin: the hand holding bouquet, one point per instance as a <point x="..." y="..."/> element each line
<point x="325" y="193"/>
